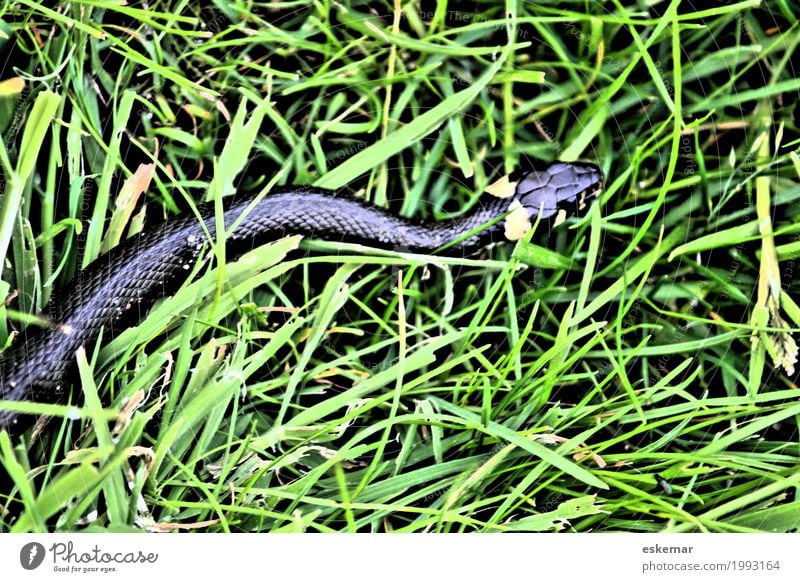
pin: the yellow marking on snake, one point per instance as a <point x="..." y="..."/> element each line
<point x="517" y="223"/>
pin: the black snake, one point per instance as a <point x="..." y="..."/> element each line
<point x="126" y="281"/>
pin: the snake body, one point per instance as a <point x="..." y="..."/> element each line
<point x="122" y="284"/>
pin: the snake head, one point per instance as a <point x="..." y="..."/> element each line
<point x="561" y="186"/>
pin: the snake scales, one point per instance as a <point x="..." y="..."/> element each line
<point x="131" y="277"/>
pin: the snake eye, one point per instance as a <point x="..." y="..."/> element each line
<point x="561" y="186"/>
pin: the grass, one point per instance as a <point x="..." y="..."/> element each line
<point x="639" y="377"/>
